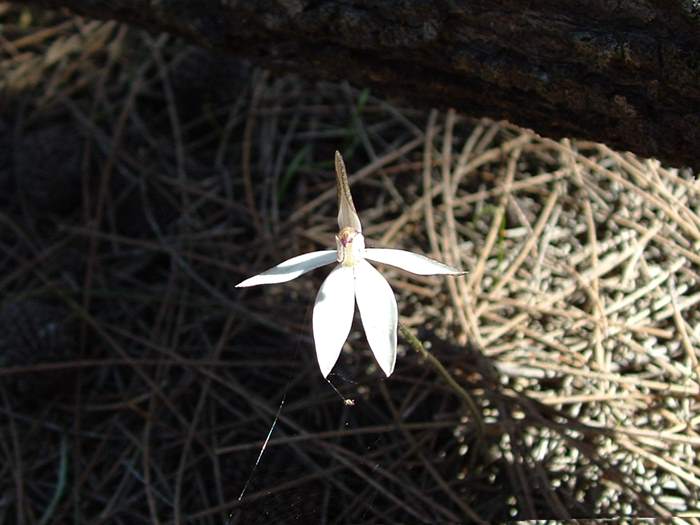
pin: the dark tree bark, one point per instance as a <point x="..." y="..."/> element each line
<point x="624" y="72"/>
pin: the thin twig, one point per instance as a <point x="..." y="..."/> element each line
<point x="442" y="372"/>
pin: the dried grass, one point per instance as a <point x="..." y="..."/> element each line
<point x="137" y="386"/>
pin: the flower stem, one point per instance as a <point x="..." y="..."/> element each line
<point x="413" y="341"/>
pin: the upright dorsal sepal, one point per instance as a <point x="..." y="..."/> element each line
<point x="347" y="216"/>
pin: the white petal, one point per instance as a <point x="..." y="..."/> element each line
<point x="411" y="262"/>
<point x="347" y="216"/>
<point x="291" y="268"/>
<point x="332" y="318"/>
<point x="379" y="314"/>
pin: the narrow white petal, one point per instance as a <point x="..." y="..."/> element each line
<point x="347" y="216"/>
<point x="332" y="318"/>
<point x="291" y="268"/>
<point x="379" y="314"/>
<point x="411" y="262"/>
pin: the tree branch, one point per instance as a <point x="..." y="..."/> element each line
<point x="626" y="73"/>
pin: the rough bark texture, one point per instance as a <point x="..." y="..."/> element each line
<point x="624" y="72"/>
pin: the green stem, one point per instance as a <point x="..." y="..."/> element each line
<point x="413" y="341"/>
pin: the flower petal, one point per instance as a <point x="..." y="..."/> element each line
<point x="332" y="318"/>
<point x="411" y="262"/>
<point x="347" y="216"/>
<point x="379" y="314"/>
<point x="291" y="268"/>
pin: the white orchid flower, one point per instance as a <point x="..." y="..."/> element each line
<point x="353" y="279"/>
